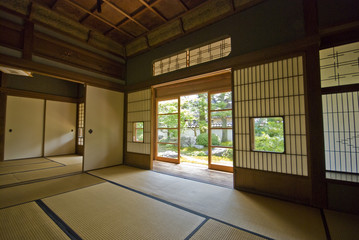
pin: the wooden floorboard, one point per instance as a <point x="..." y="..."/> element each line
<point x="195" y="172"/>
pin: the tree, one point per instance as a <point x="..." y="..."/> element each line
<point x="222" y="101"/>
<point x="194" y="110"/>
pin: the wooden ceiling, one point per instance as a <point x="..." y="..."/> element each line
<point x="122" y="20"/>
<point x="126" y="27"/>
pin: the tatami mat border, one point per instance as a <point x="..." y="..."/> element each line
<point x="54" y="161"/>
<point x="59" y="222"/>
<point x="182" y="208"/>
<point x="197" y="228"/>
<point x="325" y="224"/>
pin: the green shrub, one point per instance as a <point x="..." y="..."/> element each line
<point x="202" y="139"/>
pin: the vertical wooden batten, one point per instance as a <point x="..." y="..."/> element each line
<point x="2" y="116"/>
<point x="28" y="40"/>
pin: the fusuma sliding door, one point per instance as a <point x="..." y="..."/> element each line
<point x="24" y="128"/>
<point x="103" y="128"/>
<point x="60" y="128"/>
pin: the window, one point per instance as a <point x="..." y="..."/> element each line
<point x="138" y="132"/>
<point x="81" y="124"/>
<point x="194" y="56"/>
<point x="268" y="134"/>
<point x="340" y="104"/>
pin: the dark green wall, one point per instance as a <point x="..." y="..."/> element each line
<point x="333" y="12"/>
<point x="43" y="84"/>
<point x="267" y="24"/>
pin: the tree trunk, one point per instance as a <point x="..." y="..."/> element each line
<point x="224" y="131"/>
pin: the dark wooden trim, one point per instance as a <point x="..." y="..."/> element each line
<point x="2" y="116"/>
<point x="11" y="35"/>
<point x="231" y="62"/>
<point x="137" y="160"/>
<point x="22" y="93"/>
<point x="125" y="131"/>
<point x="314" y="123"/>
<point x="283" y="186"/>
<point x="340" y="89"/>
<point x="58" y="73"/>
<point x="28" y="40"/>
<point x="217" y="82"/>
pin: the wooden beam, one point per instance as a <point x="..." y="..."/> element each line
<point x="183" y="5"/>
<point x="125" y="14"/>
<point x="100" y="18"/>
<point x="42" y="69"/>
<point x="153" y="10"/>
<point x="29" y="94"/>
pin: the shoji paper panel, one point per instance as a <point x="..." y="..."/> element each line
<point x="341" y="131"/>
<point x="267" y="90"/>
<point x="139" y="110"/>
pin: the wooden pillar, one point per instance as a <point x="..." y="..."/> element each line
<point x="2" y="116"/>
<point x="316" y="155"/>
<point x="28" y="42"/>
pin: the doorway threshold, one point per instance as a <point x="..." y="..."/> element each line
<point x="196" y="172"/>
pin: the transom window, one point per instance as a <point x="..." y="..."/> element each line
<point x="194" y="56"/>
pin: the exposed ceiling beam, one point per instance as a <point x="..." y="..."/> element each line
<point x="99" y="18"/>
<point x="153" y="10"/>
<point x="125" y="14"/>
<point x="183" y="5"/>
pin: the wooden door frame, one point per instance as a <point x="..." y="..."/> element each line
<point x="210" y="164"/>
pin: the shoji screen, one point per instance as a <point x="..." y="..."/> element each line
<point x="270" y="90"/>
<point x="139" y="110"/>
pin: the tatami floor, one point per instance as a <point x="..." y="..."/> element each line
<point x="14" y="172"/>
<point x="128" y="203"/>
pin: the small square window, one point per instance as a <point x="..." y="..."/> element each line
<point x="138" y="132"/>
<point x="268" y="134"/>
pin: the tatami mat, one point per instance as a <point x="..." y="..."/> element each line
<point x="28" y="192"/>
<point x="107" y="211"/>
<point x="68" y="159"/>
<point x="28" y="167"/>
<point x="28" y="221"/>
<point x="45" y="173"/>
<point x="342" y="226"/>
<point x="8" y="179"/>
<point x="8" y="163"/>
<point x="265" y="216"/>
<point x="216" y="230"/>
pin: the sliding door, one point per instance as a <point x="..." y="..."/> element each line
<point x="24" y="128"/>
<point x="103" y="128"/>
<point x="60" y="128"/>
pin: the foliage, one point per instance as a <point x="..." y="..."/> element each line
<point x="269" y="134"/>
<point x="202" y="139"/>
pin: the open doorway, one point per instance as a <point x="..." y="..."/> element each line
<point x="40" y="128"/>
<point x="194" y="130"/>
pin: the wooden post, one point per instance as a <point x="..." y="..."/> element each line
<point x="2" y="116"/>
<point x="315" y="140"/>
